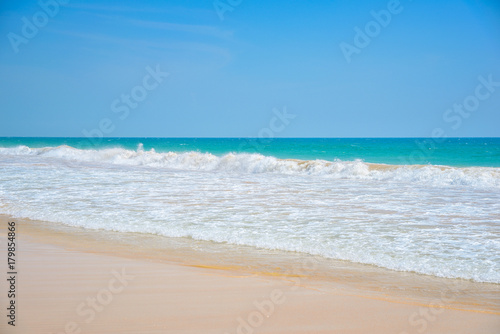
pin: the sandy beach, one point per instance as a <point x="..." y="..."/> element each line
<point x="244" y="167"/>
<point x="66" y="286"/>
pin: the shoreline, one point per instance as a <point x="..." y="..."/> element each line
<point x="61" y="272"/>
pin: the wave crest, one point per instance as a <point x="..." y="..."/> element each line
<point x="256" y="163"/>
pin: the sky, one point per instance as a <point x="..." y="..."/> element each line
<point x="246" y="68"/>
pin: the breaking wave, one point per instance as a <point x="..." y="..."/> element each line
<point x="481" y="177"/>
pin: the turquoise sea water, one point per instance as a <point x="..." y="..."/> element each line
<point x="458" y="152"/>
<point x="414" y="205"/>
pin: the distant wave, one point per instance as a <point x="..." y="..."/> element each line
<point x="487" y="177"/>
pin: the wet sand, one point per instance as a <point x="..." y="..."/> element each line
<point x="66" y="283"/>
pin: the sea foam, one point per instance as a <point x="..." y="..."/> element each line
<point x="435" y="220"/>
<point x="480" y="177"/>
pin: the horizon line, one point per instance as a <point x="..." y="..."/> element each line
<point x="265" y="138"/>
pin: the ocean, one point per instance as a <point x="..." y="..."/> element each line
<point x="418" y="205"/>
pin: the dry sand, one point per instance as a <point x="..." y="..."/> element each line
<point x="65" y="286"/>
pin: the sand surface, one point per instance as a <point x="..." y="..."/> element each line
<point x="69" y="287"/>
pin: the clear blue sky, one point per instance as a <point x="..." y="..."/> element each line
<point x="226" y="75"/>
